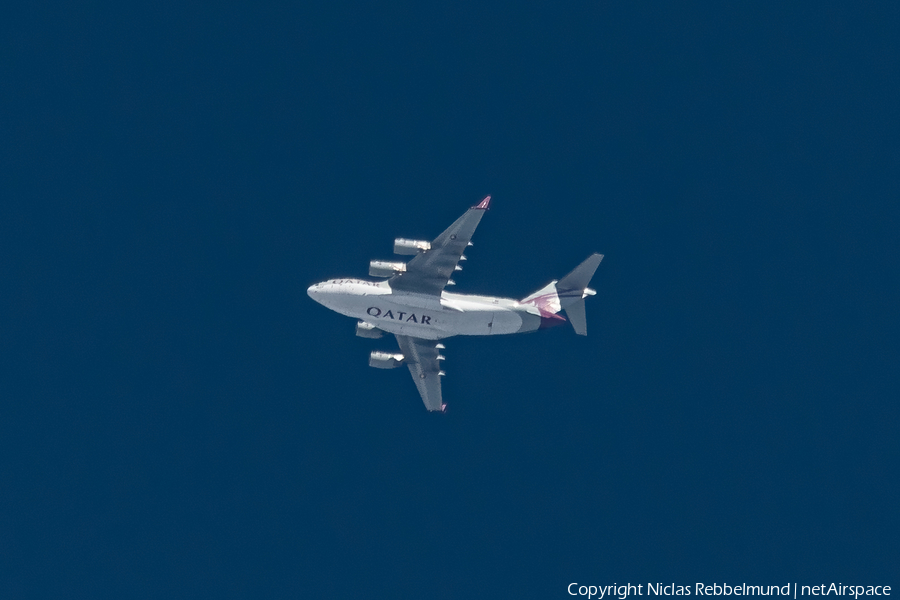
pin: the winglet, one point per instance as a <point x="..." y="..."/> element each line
<point x="484" y="204"/>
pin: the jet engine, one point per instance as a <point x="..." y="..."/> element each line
<point x="385" y="360"/>
<point x="367" y="330"/>
<point x="410" y="247"/>
<point x="383" y="268"/>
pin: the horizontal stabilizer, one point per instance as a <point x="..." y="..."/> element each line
<point x="575" y="313"/>
<point x="581" y="275"/>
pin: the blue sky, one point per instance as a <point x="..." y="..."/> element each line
<point x="180" y="420"/>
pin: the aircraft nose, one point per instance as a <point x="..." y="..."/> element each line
<point x="320" y="292"/>
<point x="314" y="292"/>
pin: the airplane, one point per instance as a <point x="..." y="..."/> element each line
<point x="410" y="302"/>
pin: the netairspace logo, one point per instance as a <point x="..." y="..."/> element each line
<point x="623" y="591"/>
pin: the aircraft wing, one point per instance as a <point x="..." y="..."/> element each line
<point x="423" y="360"/>
<point x="430" y="271"/>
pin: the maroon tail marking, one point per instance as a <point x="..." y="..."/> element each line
<point x="549" y="319"/>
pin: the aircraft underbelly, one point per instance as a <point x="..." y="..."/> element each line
<point x="506" y="321"/>
<point x="418" y="331"/>
<point x="395" y="316"/>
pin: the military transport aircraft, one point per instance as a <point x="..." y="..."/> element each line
<point x="411" y="303"/>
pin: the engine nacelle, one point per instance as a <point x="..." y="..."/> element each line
<point x="367" y="330"/>
<point x="383" y="268"/>
<point x="385" y="360"/>
<point x="410" y="247"/>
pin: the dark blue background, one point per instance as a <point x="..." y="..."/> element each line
<point x="178" y="418"/>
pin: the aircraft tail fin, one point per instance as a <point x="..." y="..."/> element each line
<point x="573" y="289"/>
<point x="568" y="293"/>
<point x="545" y="298"/>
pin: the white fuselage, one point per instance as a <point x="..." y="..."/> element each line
<point x="425" y="316"/>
